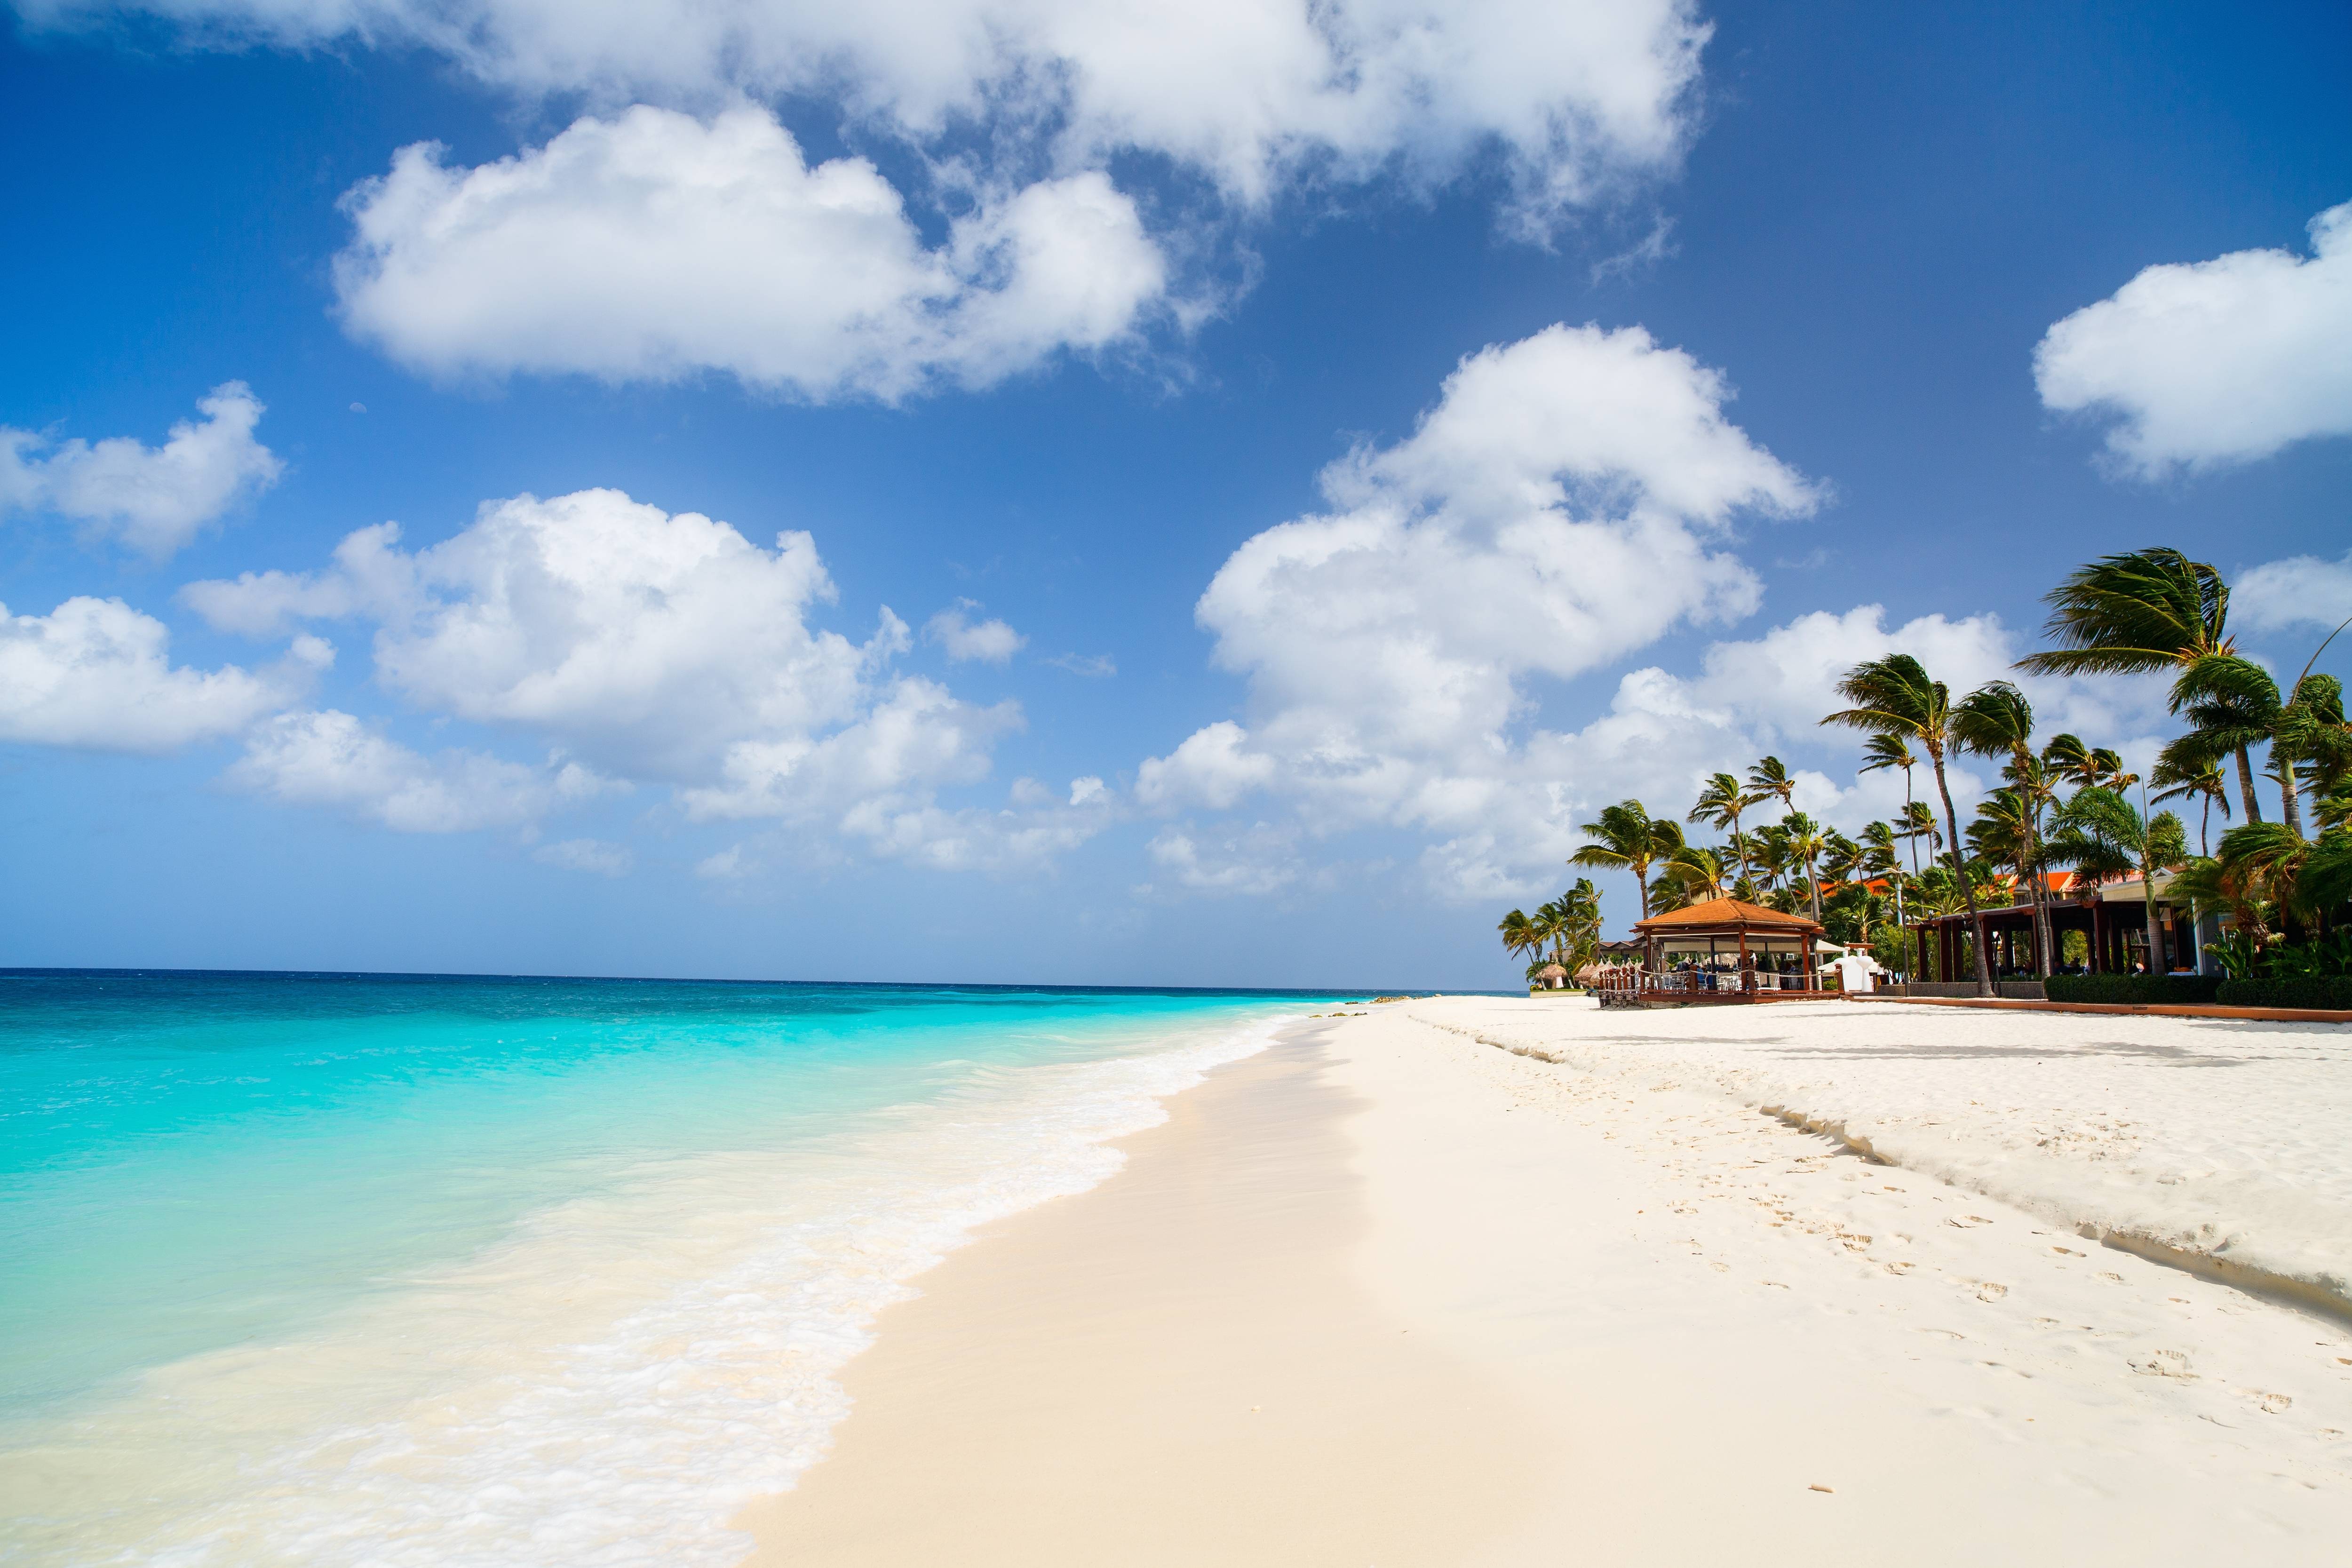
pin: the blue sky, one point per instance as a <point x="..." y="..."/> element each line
<point x="1102" y="310"/>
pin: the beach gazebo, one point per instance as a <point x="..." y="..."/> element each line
<point x="1552" y="976"/>
<point x="1728" y="950"/>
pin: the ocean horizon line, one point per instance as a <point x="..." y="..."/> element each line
<point x="134" y="971"/>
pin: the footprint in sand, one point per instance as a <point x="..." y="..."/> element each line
<point x="1988" y="1291"/>
<point x="2164" y="1363"/>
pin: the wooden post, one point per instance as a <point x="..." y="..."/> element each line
<point x="2098" y="944"/>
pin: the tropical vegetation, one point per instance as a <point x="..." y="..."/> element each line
<point x="2278" y="873"/>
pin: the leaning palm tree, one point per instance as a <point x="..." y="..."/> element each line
<point x="1769" y="853"/>
<point x="1549" y="925"/>
<point x="1842" y="859"/>
<point x="1770" y="780"/>
<point x="2098" y="831"/>
<point x="1883" y="751"/>
<point x="1895" y="696"/>
<point x="1628" y="838"/>
<point x="1806" y="845"/>
<point x="2233" y="706"/>
<point x="2178" y="776"/>
<point x="1518" y="934"/>
<point x="2145" y="610"/>
<point x="1996" y="720"/>
<point x="1719" y="806"/>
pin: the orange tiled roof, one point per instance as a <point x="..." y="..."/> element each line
<point x="1726" y="913"/>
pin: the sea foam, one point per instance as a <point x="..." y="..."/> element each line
<point x="611" y="1383"/>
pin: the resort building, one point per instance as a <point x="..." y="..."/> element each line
<point x="2099" y="927"/>
<point x="1722" y="950"/>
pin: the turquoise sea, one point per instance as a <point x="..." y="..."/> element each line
<point x="388" y="1269"/>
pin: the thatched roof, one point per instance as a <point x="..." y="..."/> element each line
<point x="1551" y="972"/>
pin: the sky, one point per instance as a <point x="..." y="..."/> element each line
<point x="1017" y="490"/>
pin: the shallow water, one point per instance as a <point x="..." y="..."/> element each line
<point x="332" y="1269"/>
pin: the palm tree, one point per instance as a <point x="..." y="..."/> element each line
<point x="1996" y="720"/>
<point x="1719" y="806"/>
<point x="1842" y="859"/>
<point x="1882" y="751"/>
<point x="2179" y="776"/>
<point x="1770" y="780"/>
<point x="1518" y="934"/>
<point x="1628" y="838"/>
<point x="1692" y="876"/>
<point x="2326" y="881"/>
<point x="1920" y="822"/>
<point x="2146" y="610"/>
<point x="2334" y="809"/>
<point x="1580" y="909"/>
<point x="1805" y="845"/>
<point x="2003" y="833"/>
<point x="2232" y="705"/>
<point x="2098" y="831"/>
<point x="1548" y="925"/>
<point x="1770" y="854"/>
<point x="1895" y="696"/>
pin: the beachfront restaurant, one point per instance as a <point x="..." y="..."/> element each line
<point x="1722" y="950"/>
<point x="2097" y="929"/>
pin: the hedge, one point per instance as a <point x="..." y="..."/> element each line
<point x="2328" y="991"/>
<point x="2140" y="989"/>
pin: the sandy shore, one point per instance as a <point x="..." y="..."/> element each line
<point x="1388" y="1294"/>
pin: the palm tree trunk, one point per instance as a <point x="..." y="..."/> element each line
<point x="2148" y="891"/>
<point x="2204" y="827"/>
<point x="1968" y="888"/>
<point x="2039" y="897"/>
<point x="2292" y="814"/>
<point x="2246" y="787"/>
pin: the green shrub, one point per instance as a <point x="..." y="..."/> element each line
<point x="2329" y="991"/>
<point x="2138" y="990"/>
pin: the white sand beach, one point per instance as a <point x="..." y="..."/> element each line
<point x="1389" y="1294"/>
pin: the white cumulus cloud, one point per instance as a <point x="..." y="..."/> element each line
<point x="96" y="674"/>
<point x="1256" y="859"/>
<point x="655" y="244"/>
<point x="1572" y="96"/>
<point x="332" y="759"/>
<point x="657" y="648"/>
<point x="2211" y="362"/>
<point x="153" y="498"/>
<point x="1569" y="500"/>
<point x="1564" y="503"/>
<point x="2301" y="591"/>
<point x="989" y="641"/>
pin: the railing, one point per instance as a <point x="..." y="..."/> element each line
<point x="1630" y="981"/>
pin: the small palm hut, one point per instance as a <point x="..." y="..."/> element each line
<point x="1551" y="977"/>
<point x="1725" y="950"/>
